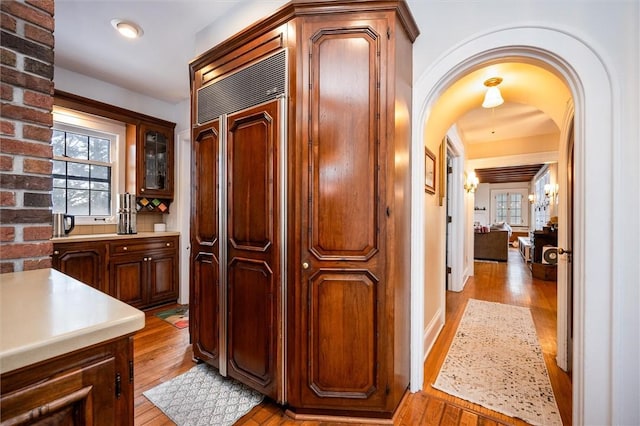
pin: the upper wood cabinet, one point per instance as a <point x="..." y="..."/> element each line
<point x="154" y="170"/>
<point x="312" y="207"/>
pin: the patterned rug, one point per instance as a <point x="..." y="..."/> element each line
<point x="201" y="396"/>
<point x="178" y="317"/>
<point x="495" y="361"/>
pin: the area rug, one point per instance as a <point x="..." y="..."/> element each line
<point x="201" y="396"/>
<point x="495" y="361"/>
<point x="178" y="317"/>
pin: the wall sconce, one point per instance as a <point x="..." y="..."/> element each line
<point x="471" y="182"/>
<point x="493" y="97"/>
<point x="532" y="198"/>
<point x="550" y="191"/>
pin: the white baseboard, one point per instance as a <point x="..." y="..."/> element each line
<point x="431" y="332"/>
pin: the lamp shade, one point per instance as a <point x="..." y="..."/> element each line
<point x="492" y="98"/>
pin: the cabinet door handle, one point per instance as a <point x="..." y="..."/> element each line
<point x="148" y="258"/>
<point x="141" y="189"/>
<point x="124" y="248"/>
<point x="305" y="265"/>
<point x="56" y="252"/>
<point x="144" y="259"/>
<point x="168" y="244"/>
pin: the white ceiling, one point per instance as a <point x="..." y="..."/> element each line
<point x="510" y="120"/>
<point x="156" y="65"/>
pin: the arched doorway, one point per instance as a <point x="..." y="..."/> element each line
<point x="587" y="78"/>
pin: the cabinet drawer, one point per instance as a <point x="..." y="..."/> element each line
<point x="143" y="245"/>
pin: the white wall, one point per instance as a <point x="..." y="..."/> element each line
<point x="240" y="17"/>
<point x="88" y="87"/>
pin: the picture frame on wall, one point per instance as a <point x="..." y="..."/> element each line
<point x="429" y="171"/>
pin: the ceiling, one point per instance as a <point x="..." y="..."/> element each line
<point x="156" y="64"/>
<point x="508" y="174"/>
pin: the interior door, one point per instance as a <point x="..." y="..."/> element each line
<point x="253" y="246"/>
<point x="569" y="249"/>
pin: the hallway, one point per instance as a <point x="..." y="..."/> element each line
<point x="509" y="283"/>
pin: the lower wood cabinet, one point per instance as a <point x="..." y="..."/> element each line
<point x="84" y="261"/>
<point x="142" y="272"/>
<point x="92" y="386"/>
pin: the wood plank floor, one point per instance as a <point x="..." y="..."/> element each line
<point x="162" y="351"/>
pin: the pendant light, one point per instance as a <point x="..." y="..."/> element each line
<point x="492" y="98"/>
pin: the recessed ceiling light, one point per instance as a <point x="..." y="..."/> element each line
<point x="127" y="28"/>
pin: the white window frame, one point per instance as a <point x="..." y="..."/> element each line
<point x="524" y="208"/>
<point x="75" y="121"/>
<point x="542" y="209"/>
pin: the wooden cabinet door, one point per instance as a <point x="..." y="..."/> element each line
<point x="128" y="275"/>
<point x="82" y="396"/>
<point x="340" y="282"/>
<point x="154" y="170"/>
<point x="85" y="262"/>
<point x="162" y="276"/>
<point x="253" y="245"/>
<point x="204" y="290"/>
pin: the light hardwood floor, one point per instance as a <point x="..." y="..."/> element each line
<point x="162" y="351"/>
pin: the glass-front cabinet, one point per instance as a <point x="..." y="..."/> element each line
<point x="155" y="161"/>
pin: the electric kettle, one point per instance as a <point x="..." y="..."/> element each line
<point x="62" y="224"/>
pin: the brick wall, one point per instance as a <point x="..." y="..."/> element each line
<point x="26" y="96"/>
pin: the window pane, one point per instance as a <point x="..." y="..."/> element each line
<point x="78" y="202"/>
<point x="58" y="196"/>
<point x="59" y="183"/>
<point x="99" y="149"/>
<point x="100" y="172"/>
<point x="501" y="207"/>
<point x="77" y="146"/>
<point x="515" y="209"/>
<point x="57" y="140"/>
<point x="78" y="184"/>
<point x="78" y="170"/>
<point x="100" y="202"/>
<point x="101" y="186"/>
<point x="59" y="167"/>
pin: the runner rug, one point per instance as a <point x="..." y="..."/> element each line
<point x="495" y="361"/>
<point x="201" y="396"/>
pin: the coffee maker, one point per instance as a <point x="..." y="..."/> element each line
<point x="127" y="213"/>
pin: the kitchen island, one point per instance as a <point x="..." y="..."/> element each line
<point x="66" y="351"/>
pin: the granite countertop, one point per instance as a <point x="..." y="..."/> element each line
<point x="111" y="237"/>
<point x="45" y="313"/>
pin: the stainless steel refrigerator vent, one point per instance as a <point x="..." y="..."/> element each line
<point x="256" y="84"/>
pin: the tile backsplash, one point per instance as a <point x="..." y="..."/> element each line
<point x="144" y="224"/>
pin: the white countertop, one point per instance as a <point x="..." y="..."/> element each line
<point x="45" y="313"/>
<point x="100" y="237"/>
